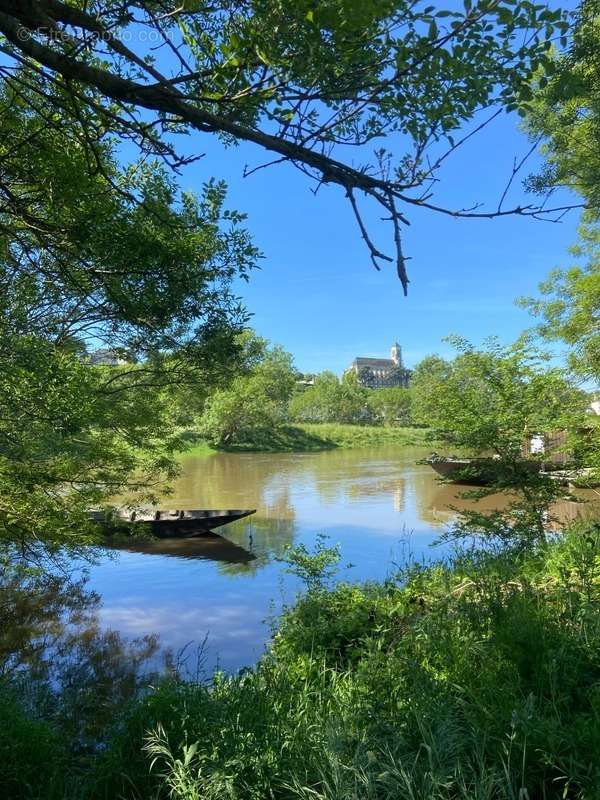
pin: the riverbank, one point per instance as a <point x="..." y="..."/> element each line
<point x="477" y="678"/>
<point x="305" y="438"/>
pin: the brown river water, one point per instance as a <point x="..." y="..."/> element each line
<point x="378" y="504"/>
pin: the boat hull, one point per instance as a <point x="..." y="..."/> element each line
<point x="167" y="524"/>
<point x="474" y="471"/>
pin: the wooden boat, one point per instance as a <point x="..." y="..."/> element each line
<point x="582" y="478"/>
<point x="473" y="471"/>
<point x="161" y="523"/>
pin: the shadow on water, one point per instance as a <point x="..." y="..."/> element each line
<point x="210" y="547"/>
<point x="248" y="547"/>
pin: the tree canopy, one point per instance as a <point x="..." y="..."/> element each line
<point x="93" y="253"/>
<point x="253" y="403"/>
<point x="321" y="86"/>
<point x="491" y="400"/>
<point x="570" y="303"/>
<point x="565" y="114"/>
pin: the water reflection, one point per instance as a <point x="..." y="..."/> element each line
<point x="211" y="547"/>
<point x="66" y="666"/>
<point x="378" y="504"/>
<point x="440" y="502"/>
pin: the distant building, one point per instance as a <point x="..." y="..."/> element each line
<point x="376" y="373"/>
<point x="594" y="406"/>
<point x="106" y="358"/>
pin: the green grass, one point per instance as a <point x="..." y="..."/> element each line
<point x="349" y="436"/>
<point x="303" y="438"/>
<point x="474" y="680"/>
<point x="198" y="449"/>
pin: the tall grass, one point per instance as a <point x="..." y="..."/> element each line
<point x="351" y="436"/>
<point x="478" y="679"/>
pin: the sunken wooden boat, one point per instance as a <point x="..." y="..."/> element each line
<point x="163" y="524"/>
<point x="476" y="471"/>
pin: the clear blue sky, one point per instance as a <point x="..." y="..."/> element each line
<point x="317" y="293"/>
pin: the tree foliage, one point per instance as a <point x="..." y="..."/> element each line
<point x="300" y="80"/>
<point x="431" y="368"/>
<point x="348" y="401"/>
<point x="390" y="405"/>
<point x="565" y="113"/>
<point x="331" y="400"/>
<point x="491" y="401"/>
<point x="91" y="255"/>
<point x="254" y="403"/>
<point x="570" y="304"/>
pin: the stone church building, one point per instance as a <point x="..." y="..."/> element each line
<point x="375" y="373"/>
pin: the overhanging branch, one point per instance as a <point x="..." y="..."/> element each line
<point x="23" y="23"/>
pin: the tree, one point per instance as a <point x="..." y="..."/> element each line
<point x="254" y="404"/>
<point x="430" y="368"/>
<point x="564" y="114"/>
<point x="303" y="82"/>
<point x="113" y="256"/>
<point x="568" y="309"/>
<point x="351" y="401"/>
<point x="331" y="400"/>
<point x="565" y="117"/>
<point x="426" y="374"/>
<point x="390" y="406"/>
<point x="490" y="402"/>
<point x="316" y="403"/>
<point x="366" y="377"/>
<point x="570" y="303"/>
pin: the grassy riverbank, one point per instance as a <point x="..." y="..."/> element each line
<point x="478" y="679"/>
<point x="325" y="436"/>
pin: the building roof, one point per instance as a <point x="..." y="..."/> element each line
<point x="374" y="362"/>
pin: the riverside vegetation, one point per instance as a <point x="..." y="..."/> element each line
<point x="477" y="678"/>
<point x="271" y="408"/>
<point x="473" y="678"/>
<point x="302" y="437"/>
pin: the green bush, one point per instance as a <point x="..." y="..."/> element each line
<point x="32" y="758"/>
<point x="478" y="679"/>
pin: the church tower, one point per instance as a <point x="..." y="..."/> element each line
<point x="396" y="354"/>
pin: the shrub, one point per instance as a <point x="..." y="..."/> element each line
<point x="32" y="758"/>
<point x="479" y="678"/>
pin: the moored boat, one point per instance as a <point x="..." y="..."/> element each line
<point x="161" y="523"/>
<point x="475" y="471"/>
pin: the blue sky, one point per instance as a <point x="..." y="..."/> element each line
<point x="317" y="293"/>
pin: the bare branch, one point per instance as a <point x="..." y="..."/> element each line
<point x="374" y="251"/>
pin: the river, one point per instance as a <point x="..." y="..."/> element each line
<point x="223" y="593"/>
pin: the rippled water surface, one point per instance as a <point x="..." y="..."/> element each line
<point x="378" y="504"/>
